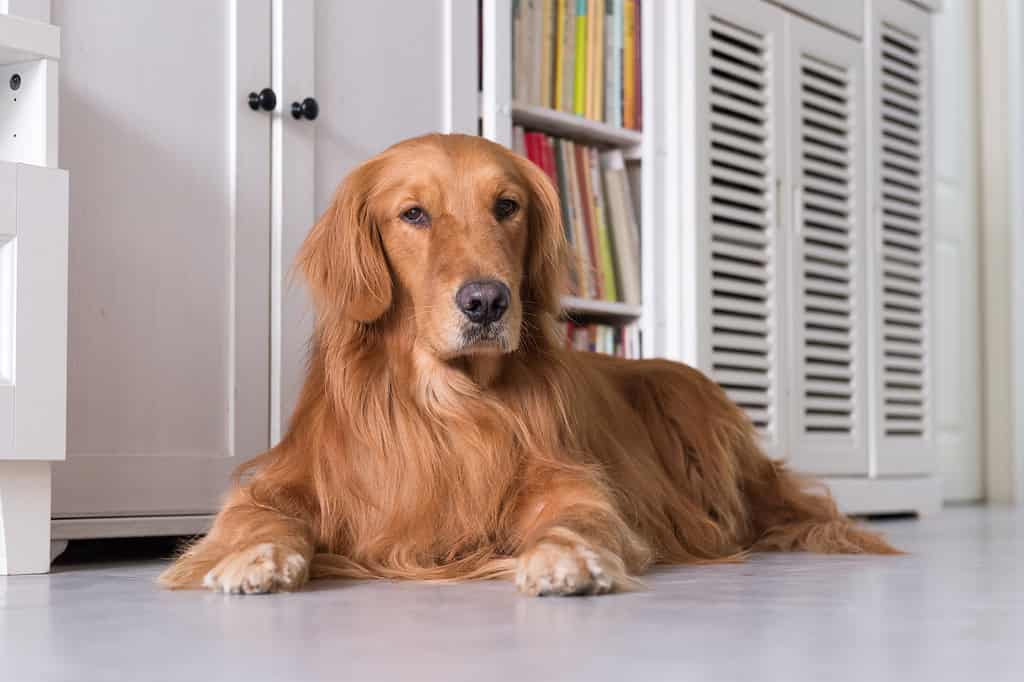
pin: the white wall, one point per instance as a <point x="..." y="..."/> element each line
<point x="1001" y="76"/>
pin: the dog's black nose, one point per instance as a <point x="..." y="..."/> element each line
<point x="483" y="301"/>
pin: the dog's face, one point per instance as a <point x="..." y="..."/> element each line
<point x="454" y="231"/>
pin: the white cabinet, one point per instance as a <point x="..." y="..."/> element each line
<point x="806" y="171"/>
<point x="33" y="291"/>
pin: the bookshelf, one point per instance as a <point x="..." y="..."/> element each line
<point x="576" y="127"/>
<point x="502" y="110"/>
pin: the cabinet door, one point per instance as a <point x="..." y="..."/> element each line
<point x="169" y="251"/>
<point x="827" y="402"/>
<point x="899" y="67"/>
<point x="424" y="80"/>
<point x="739" y="148"/>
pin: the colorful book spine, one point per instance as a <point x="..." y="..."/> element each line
<point x="616" y="68"/>
<point x="599" y="67"/>
<point x="569" y="52"/>
<point x="600" y="338"/>
<point x="580" y="255"/>
<point x="629" y="64"/>
<point x="587" y="201"/>
<point x="601" y="224"/>
<point x="593" y="50"/>
<point x="559" y="54"/>
<point x="638" y="71"/>
<point x="580" y="85"/>
<point x="547" y="60"/>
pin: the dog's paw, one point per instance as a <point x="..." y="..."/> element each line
<point x="552" y="568"/>
<point x="261" y="568"/>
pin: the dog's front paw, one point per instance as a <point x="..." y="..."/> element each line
<point x="553" y="568"/>
<point x="261" y="568"/>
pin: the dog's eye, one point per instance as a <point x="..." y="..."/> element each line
<point x="505" y="208"/>
<point x="416" y="216"/>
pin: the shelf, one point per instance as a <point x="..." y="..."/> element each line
<point x="573" y="126"/>
<point x="579" y="307"/>
<point x="23" y="40"/>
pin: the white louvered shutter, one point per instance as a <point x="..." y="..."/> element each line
<point x="827" y="315"/>
<point x="900" y="118"/>
<point x="739" y="143"/>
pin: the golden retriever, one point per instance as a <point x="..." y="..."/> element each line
<point x="444" y="433"/>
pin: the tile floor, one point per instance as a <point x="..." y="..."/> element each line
<point x="951" y="610"/>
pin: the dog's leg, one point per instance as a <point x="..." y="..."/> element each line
<point x="251" y="549"/>
<point x="575" y="542"/>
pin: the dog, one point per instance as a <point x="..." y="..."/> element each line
<point x="444" y="433"/>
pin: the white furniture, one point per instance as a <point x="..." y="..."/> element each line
<point x="33" y="291"/>
<point x="804" y="159"/>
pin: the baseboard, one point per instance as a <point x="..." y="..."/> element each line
<point x="129" y="526"/>
<point x="921" y="495"/>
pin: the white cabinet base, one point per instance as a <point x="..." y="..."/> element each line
<point x="24" y="517"/>
<point x="921" y="495"/>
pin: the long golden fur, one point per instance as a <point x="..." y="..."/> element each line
<point x="421" y="450"/>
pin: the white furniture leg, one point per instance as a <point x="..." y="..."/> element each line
<point x="24" y="517"/>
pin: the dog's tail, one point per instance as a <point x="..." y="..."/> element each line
<point x="788" y="513"/>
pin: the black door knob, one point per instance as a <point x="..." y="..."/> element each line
<point x="265" y="99"/>
<point x="307" y="109"/>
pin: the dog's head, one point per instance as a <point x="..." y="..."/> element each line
<point x="455" y="233"/>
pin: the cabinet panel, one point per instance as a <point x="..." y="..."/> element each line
<point x="169" y="251"/>
<point x="899" y="54"/>
<point x="739" y="157"/>
<point x="828" y="313"/>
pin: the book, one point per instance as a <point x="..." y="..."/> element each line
<point x="599" y="53"/>
<point x="519" y="140"/>
<point x="638" y="91"/>
<point x="518" y="69"/>
<point x="569" y="58"/>
<point x="559" y="75"/>
<point x="587" y="201"/>
<point x="581" y="253"/>
<point x="593" y="49"/>
<point x="558" y="148"/>
<point x="610" y="97"/>
<point x="625" y="229"/>
<point x="547" y="42"/>
<point x="580" y="81"/>
<point x="615" y="77"/>
<point x="601" y="224"/>
<point x="628" y="64"/>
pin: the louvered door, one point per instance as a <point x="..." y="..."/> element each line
<point x="738" y="145"/>
<point x="827" y="315"/>
<point x="900" y="260"/>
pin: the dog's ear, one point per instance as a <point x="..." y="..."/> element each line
<point x="546" y="249"/>
<point x="343" y="257"/>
